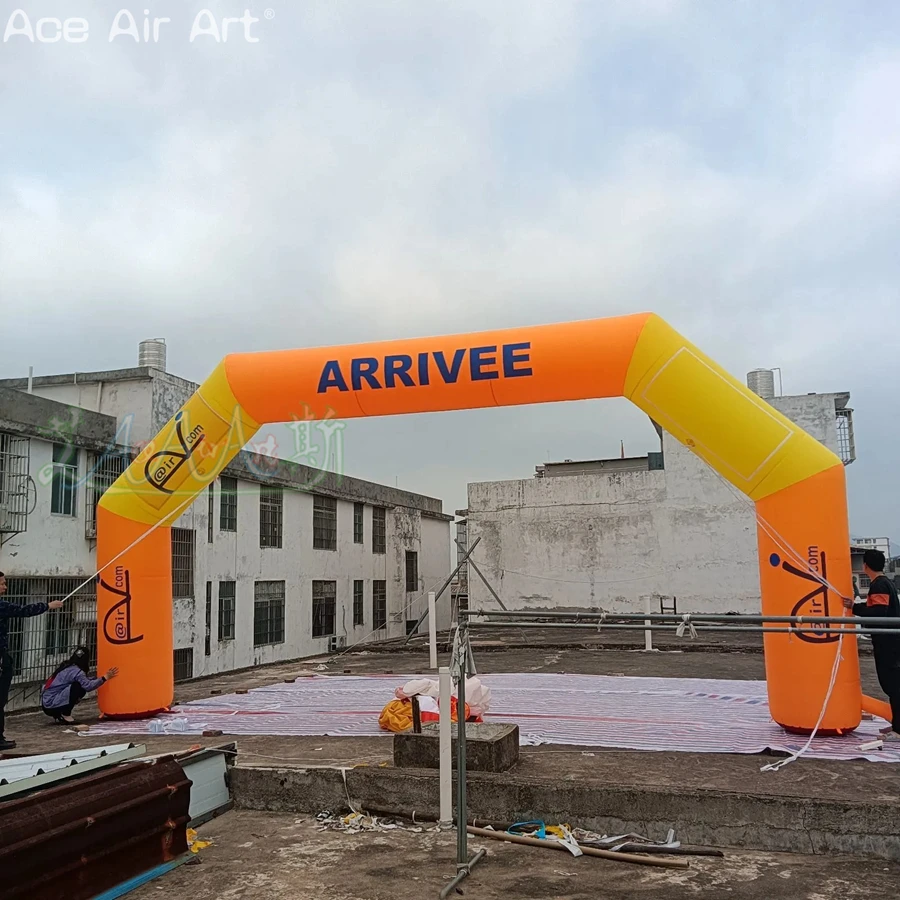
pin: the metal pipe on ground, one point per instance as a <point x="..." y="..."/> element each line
<point x="463" y="873"/>
<point x="588" y="851"/>
<point x="417" y="818"/>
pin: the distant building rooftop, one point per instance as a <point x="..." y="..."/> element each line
<point x="650" y="461"/>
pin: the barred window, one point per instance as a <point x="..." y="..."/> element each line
<point x="379" y="541"/>
<point x="104" y="470"/>
<point x="359" y="614"/>
<point x="211" y="512"/>
<point x="268" y="613"/>
<point x="271" y="515"/>
<point x="184" y="664"/>
<point x="379" y="605"/>
<point x="182" y="563"/>
<point x="226" y="610"/>
<point x="64" y="480"/>
<point x="358" y="520"/>
<point x="38" y="644"/>
<point x="15" y="458"/>
<point x="324" y="597"/>
<point x="324" y="523"/>
<point x="228" y="500"/>
<point x="412" y="570"/>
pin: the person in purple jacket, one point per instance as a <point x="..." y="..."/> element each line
<point x="68" y="685"/>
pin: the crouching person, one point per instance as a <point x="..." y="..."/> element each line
<point x="68" y="685"/>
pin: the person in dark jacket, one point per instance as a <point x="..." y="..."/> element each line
<point x="13" y="611"/>
<point x="883" y="602"/>
<point x="68" y="685"/>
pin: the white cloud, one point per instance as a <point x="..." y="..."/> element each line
<point x="357" y="175"/>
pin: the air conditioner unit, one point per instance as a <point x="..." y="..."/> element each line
<point x="336" y="643"/>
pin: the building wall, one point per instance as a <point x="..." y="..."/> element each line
<point x="237" y="556"/>
<point x="142" y="400"/>
<point x="604" y="540"/>
<point x="436" y="561"/>
<point x="128" y="401"/>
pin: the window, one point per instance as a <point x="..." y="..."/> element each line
<point x="268" y="613"/>
<point x="379" y="605"/>
<point x="379" y="544"/>
<point x="324" y="523"/>
<point x="324" y="594"/>
<point x="226" y="610"/>
<point x="184" y="664"/>
<point x="864" y="582"/>
<point x="104" y="470"/>
<point x="412" y="570"/>
<point x="846" y="438"/>
<point x="271" y="515"/>
<point x="182" y="563"/>
<point x="15" y="456"/>
<point x="228" y="496"/>
<point x="207" y="639"/>
<point x="359" y="615"/>
<point x="211" y="512"/>
<point x="65" y="475"/>
<point x="358" y="527"/>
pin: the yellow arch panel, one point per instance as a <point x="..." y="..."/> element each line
<point x="747" y="441"/>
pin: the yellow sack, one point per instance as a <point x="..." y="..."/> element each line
<point x="396" y="716"/>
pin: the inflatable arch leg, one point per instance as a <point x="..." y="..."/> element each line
<point x="797" y="483"/>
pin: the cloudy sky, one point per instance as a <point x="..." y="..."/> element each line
<point x="369" y="169"/>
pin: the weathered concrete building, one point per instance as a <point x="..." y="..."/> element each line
<point x="603" y="534"/>
<point x="278" y="560"/>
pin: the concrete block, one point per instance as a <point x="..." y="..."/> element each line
<point x="490" y="747"/>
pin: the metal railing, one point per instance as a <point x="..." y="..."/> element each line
<point x="679" y="622"/>
<point x="39" y="644"/>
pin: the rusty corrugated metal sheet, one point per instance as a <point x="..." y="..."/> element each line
<point x="80" y="838"/>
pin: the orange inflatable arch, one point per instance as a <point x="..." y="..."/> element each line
<point x="797" y="483"/>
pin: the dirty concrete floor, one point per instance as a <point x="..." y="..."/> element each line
<point x="550" y="650"/>
<point x="266" y="856"/>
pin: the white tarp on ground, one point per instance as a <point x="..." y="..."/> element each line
<point x="667" y="714"/>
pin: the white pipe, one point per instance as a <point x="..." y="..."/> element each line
<point x="432" y="632"/>
<point x="30" y="378"/>
<point x="446" y="756"/>
<point x="648" y="634"/>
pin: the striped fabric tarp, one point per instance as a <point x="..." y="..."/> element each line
<point x="668" y="714"/>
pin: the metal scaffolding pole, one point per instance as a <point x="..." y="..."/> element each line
<point x="487" y="584"/>
<point x="464" y="865"/>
